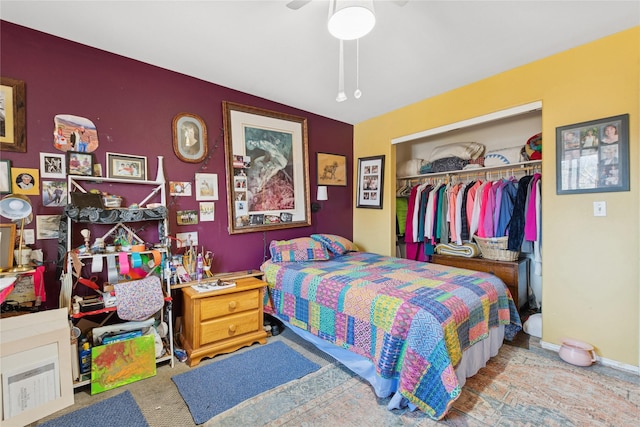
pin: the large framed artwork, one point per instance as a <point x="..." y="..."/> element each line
<point x="593" y="156"/>
<point x="267" y="169"/>
<point x="332" y="169"/>
<point x="13" y="123"/>
<point x="370" y="182"/>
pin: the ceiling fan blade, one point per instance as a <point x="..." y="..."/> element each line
<point x="297" y="4"/>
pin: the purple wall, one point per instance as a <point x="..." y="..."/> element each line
<point x="133" y="105"/>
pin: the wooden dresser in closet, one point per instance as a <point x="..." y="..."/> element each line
<point x="514" y="274"/>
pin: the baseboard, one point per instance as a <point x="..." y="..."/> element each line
<point x="602" y="360"/>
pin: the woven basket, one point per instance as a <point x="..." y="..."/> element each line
<point x="496" y="248"/>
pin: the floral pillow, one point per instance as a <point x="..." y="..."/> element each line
<point x="335" y="244"/>
<point x="300" y="249"/>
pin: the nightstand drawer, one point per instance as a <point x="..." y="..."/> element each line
<point x="223" y="305"/>
<point x="229" y="326"/>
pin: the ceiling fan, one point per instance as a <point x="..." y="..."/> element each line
<point x="297" y="4"/>
<point x="348" y="20"/>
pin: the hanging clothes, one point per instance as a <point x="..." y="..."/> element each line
<point x="516" y="225"/>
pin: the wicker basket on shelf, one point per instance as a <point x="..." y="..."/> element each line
<point x="495" y="248"/>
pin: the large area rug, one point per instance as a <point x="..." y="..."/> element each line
<point x="120" y="410"/>
<point x="517" y="388"/>
<point x="212" y="389"/>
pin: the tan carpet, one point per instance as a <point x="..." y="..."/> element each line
<point x="520" y="386"/>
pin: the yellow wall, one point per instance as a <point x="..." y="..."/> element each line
<point x="590" y="280"/>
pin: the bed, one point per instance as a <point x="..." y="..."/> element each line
<point x="414" y="330"/>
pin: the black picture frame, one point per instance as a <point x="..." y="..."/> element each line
<point x="79" y="163"/>
<point x="370" y="182"/>
<point x="593" y="156"/>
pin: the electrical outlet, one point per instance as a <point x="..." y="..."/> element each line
<point x="599" y="208"/>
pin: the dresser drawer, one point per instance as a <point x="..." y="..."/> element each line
<point x="223" y="305"/>
<point x="230" y="326"/>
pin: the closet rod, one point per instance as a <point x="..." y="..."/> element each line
<point x="474" y="173"/>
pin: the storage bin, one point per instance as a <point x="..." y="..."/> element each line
<point x="112" y="201"/>
<point x="496" y="248"/>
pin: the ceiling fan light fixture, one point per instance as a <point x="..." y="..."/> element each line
<point x="350" y="20"/>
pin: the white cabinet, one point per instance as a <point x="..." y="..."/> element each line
<point x="146" y="227"/>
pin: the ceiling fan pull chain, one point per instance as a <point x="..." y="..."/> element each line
<point x="342" y="96"/>
<point x="358" y="93"/>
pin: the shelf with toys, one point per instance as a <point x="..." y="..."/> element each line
<point x="114" y="260"/>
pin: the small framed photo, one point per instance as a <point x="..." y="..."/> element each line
<point x="179" y="188"/>
<point x="54" y="193"/>
<point x="332" y="169"/>
<point x="370" y="182"/>
<point x="187" y="239"/>
<point x="53" y="165"/>
<point x="25" y="181"/>
<point x="5" y="176"/>
<point x="189" y="138"/>
<point x="126" y="166"/>
<point x="47" y="226"/>
<point x="187" y="217"/>
<point x="207" y="211"/>
<point x="206" y="186"/>
<point x="79" y="163"/>
<point x="593" y="156"/>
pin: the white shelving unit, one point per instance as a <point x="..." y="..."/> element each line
<point x="122" y="218"/>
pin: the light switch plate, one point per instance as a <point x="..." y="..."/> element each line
<point x="599" y="208"/>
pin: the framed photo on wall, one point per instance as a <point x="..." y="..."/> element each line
<point x="189" y="138"/>
<point x="25" y="181"/>
<point x="370" y="182"/>
<point x="13" y="130"/>
<point x="126" y="166"/>
<point x="5" y="176"/>
<point x="593" y="156"/>
<point x="332" y="169"/>
<point x="79" y="163"/>
<point x="53" y="165"/>
<point x="267" y="169"/>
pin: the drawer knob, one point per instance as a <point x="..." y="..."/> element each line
<point x="232" y="328"/>
<point x="232" y="305"/>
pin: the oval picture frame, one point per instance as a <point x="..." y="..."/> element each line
<point x="189" y="138"/>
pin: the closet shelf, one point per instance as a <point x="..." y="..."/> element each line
<point x="478" y="171"/>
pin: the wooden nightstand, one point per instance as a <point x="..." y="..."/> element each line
<point x="222" y="321"/>
<point x="514" y="274"/>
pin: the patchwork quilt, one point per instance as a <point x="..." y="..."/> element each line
<point x="412" y="319"/>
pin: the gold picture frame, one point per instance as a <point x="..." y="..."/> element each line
<point x="13" y="133"/>
<point x="267" y="169"/>
<point x="190" y="142"/>
<point x="332" y="169"/>
<point x="7" y="244"/>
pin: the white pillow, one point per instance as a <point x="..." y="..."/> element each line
<point x="505" y="156"/>
<point x="463" y="150"/>
<point x="409" y="168"/>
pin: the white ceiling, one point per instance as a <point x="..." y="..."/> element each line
<point x="266" y="49"/>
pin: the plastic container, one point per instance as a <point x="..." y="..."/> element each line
<point x="84" y="354"/>
<point x="577" y="352"/>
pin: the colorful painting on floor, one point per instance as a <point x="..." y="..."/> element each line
<point x="123" y="362"/>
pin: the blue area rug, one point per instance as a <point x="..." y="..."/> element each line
<point x="214" y="388"/>
<point x="120" y="410"/>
